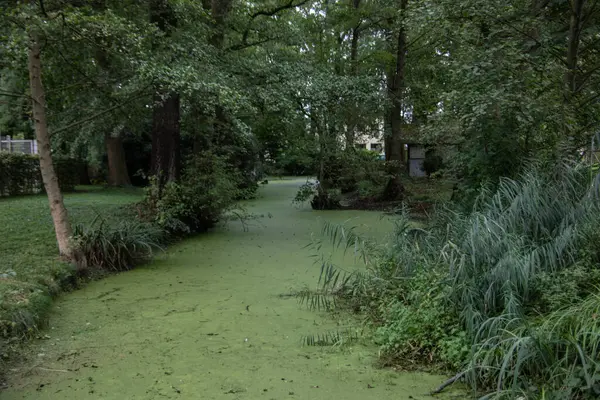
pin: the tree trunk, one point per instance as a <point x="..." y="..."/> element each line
<point x="573" y="47"/>
<point x="387" y="134"/>
<point x="166" y="138"/>
<point x="352" y="119"/>
<point x="219" y="11"/>
<point x="166" y="134"/>
<point x="60" y="217"/>
<point x="395" y="146"/>
<point x="396" y="92"/>
<point x="118" y="175"/>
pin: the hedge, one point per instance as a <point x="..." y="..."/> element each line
<point x="20" y="173"/>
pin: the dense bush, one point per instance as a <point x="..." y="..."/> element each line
<point x="20" y="173"/>
<point x="207" y="189"/>
<point x="345" y="170"/>
<point x="68" y="171"/>
<point x="240" y="152"/>
<point x="296" y="162"/>
<point x="358" y="172"/>
<point x="432" y="163"/>
<point x="507" y="293"/>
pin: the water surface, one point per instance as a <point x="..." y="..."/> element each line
<point x="206" y="321"/>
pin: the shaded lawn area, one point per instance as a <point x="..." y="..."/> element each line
<point x="429" y="190"/>
<point x="30" y="271"/>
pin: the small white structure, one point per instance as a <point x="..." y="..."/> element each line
<point x="369" y="142"/>
<point x="18" y="146"/>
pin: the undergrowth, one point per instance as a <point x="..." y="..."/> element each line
<point x="507" y="295"/>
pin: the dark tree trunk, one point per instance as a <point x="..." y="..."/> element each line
<point x="118" y="175"/>
<point x="395" y="146"/>
<point x="574" y="39"/>
<point x="387" y="134"/>
<point x="203" y="129"/>
<point x="222" y="128"/>
<point x="352" y="121"/>
<point x="396" y="92"/>
<point x="219" y="12"/>
<point x="166" y="137"/>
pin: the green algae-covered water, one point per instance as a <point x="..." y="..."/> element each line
<point x="206" y="321"/>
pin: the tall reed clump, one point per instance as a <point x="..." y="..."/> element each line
<point x="508" y="293"/>
<point x="115" y="248"/>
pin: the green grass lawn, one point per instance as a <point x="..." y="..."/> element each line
<point x="30" y="271"/>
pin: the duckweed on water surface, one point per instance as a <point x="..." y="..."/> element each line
<point x="206" y="320"/>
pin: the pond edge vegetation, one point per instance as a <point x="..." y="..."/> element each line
<point x="505" y="296"/>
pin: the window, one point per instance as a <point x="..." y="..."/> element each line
<point x="376" y="146"/>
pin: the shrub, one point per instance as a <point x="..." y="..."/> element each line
<point x="422" y="328"/>
<point x="306" y="192"/>
<point x="295" y="161"/>
<point x="20" y="173"/>
<point x="68" y="171"/>
<point x="206" y="190"/>
<point x="432" y="163"/>
<point x="368" y="189"/>
<point x="115" y="248"/>
<point x="347" y="172"/>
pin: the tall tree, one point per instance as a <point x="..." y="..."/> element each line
<point x="60" y="217"/>
<point x="396" y="90"/>
<point x="166" y="132"/>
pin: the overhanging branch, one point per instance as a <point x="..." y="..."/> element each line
<point x="98" y="115"/>
<point x="286" y="6"/>
<point x="267" y="13"/>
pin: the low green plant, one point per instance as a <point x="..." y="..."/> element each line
<point x="115" y="248"/>
<point x="420" y="328"/>
<point x="305" y="192"/>
<point x="368" y="189"/>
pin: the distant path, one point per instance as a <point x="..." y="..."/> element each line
<point x="205" y="322"/>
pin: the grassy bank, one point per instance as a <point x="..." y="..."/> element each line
<point x="30" y="271"/>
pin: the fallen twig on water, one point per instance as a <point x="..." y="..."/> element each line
<point x="448" y="383"/>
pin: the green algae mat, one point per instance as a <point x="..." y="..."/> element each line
<point x="210" y="319"/>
